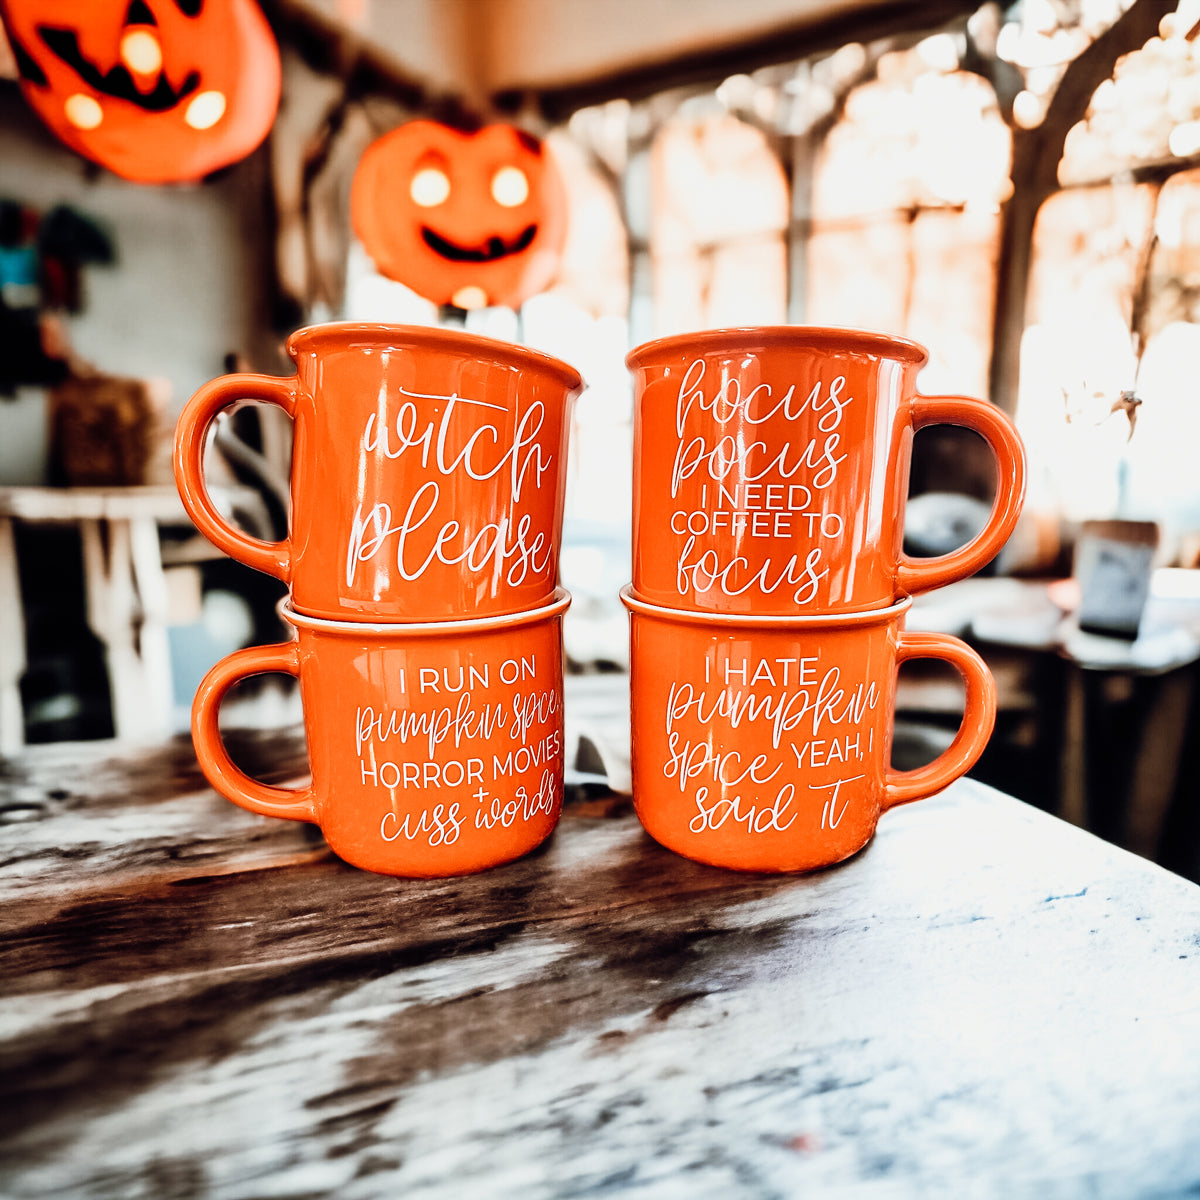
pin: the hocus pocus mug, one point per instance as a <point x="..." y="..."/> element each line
<point x="764" y="744"/>
<point x="428" y="472"/>
<point x="771" y="468"/>
<point x="436" y="748"/>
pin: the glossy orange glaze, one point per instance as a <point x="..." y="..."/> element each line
<point x="771" y="469"/>
<point x="428" y="472"/>
<point x="764" y="744"/>
<point x="436" y="748"/>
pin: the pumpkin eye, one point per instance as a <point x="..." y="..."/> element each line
<point x="510" y="187"/>
<point x="205" y="110"/>
<point x="141" y="53"/>
<point x="82" y="111"/>
<point x="429" y="187"/>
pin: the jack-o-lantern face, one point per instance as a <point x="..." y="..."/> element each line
<point x="470" y="219"/>
<point x="154" y="90"/>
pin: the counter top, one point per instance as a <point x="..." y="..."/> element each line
<point x="199" y="1002"/>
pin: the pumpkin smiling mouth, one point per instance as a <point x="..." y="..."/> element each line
<point x="490" y="251"/>
<point x="117" y="82"/>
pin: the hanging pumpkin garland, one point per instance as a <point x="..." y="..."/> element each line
<point x="157" y="91"/>
<point x="463" y="218"/>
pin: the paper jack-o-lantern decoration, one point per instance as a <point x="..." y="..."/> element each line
<point x="157" y="91"/>
<point x="470" y="219"/>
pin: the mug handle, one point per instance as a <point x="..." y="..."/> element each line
<point x="297" y="804"/>
<point x="273" y="558"/>
<point x="979" y="716"/>
<point x="995" y="427"/>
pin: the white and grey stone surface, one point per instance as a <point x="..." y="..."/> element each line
<point x="197" y="1002"/>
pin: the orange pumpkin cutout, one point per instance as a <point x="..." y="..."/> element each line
<point x="469" y="219"/>
<point x="157" y="91"/>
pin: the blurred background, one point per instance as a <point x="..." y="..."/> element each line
<point x="1016" y="187"/>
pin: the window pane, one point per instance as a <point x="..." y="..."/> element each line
<point x="905" y="214"/>
<point x="720" y="209"/>
<point x="1077" y="353"/>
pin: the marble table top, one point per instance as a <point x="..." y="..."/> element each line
<point x="197" y="1002"/>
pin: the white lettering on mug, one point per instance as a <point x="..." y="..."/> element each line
<point x="523" y="805"/>
<point x="761" y="491"/>
<point x="507" y="547"/>
<point x="830" y="812"/>
<point x="787" y="711"/>
<point x="524" y="758"/>
<point x="463" y="722"/>
<point x="758" y="405"/>
<point x="715" y="813"/>
<point x="453" y="744"/>
<point x="824" y="721"/>
<point x="708" y="572"/>
<point x="500" y="547"/>
<point x="520" y="456"/>
<point x="440" y="824"/>
<point x="406" y="775"/>
<point x="687" y="760"/>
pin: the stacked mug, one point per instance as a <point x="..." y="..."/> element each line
<point x="770" y="589"/>
<point x="427" y="491"/>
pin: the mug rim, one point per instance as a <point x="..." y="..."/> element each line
<point x="692" y="616"/>
<point x="558" y="605"/>
<point x="735" y="338"/>
<point x="443" y="338"/>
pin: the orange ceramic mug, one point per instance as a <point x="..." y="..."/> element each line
<point x="435" y="748"/>
<point x="771" y="465"/>
<point x="764" y="744"/>
<point x="428" y="472"/>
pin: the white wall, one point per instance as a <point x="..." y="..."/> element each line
<point x="191" y="280"/>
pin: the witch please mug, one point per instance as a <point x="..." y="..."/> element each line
<point x="771" y="471"/>
<point x="428" y="472"/>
